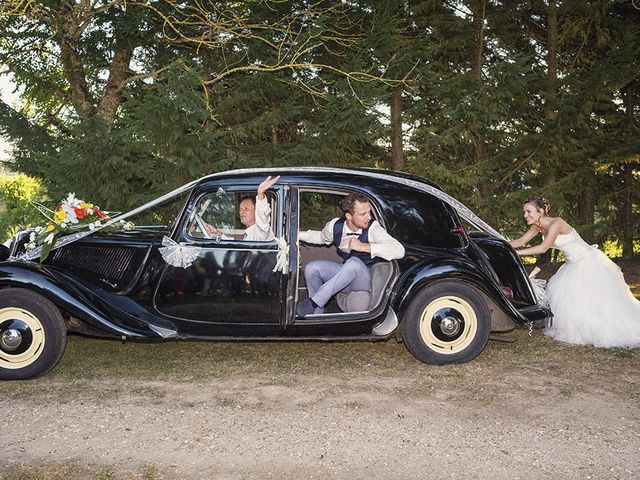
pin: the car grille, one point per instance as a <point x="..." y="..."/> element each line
<point x="117" y="265"/>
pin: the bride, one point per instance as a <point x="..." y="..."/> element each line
<point x="590" y="301"/>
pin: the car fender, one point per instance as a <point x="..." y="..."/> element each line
<point x="449" y="268"/>
<point x="72" y="297"/>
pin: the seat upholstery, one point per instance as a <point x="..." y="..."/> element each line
<point x="361" y="301"/>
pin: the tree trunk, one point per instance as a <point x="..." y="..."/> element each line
<point x="477" y="55"/>
<point x="118" y="72"/>
<point x="629" y="96"/>
<point x="627" y="211"/>
<point x="586" y="212"/>
<point x="69" y="24"/>
<point x="485" y="187"/>
<point x="274" y="130"/>
<point x="550" y="108"/>
<point x="552" y="61"/>
<point x="397" y="149"/>
<point x="74" y="73"/>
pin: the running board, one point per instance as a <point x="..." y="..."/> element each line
<point x="388" y="325"/>
<point x="163" y="332"/>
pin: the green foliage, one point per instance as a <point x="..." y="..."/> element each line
<point x="159" y="144"/>
<point x="483" y="113"/>
<point x="16" y="212"/>
<point x="613" y="248"/>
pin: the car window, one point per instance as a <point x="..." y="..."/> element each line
<point x="419" y="219"/>
<point x="317" y="208"/>
<point x="223" y="215"/>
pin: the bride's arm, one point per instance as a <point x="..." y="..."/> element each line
<point x="529" y="234"/>
<point x="553" y="232"/>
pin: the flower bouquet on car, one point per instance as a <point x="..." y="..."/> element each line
<point x="71" y="216"/>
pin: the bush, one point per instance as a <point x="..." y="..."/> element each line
<point x="16" y="212"/>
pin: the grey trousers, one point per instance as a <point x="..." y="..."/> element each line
<point x="326" y="278"/>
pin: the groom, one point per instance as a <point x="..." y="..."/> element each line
<point x="359" y="241"/>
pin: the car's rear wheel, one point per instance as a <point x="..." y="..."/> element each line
<point x="32" y="334"/>
<point x="447" y="322"/>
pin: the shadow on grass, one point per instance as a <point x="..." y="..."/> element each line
<point x="192" y="360"/>
<point x="95" y="359"/>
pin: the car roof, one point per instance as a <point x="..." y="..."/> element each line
<point x="393" y="177"/>
<point x="399" y="178"/>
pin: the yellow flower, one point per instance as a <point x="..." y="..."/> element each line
<point x="86" y="205"/>
<point x="60" y="216"/>
<point x="50" y="227"/>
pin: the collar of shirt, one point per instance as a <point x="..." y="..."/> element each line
<point x="347" y="231"/>
<point x="347" y="235"/>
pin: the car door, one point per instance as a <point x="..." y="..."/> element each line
<point x="314" y="205"/>
<point x="230" y="288"/>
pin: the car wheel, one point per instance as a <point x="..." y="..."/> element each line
<point x="447" y="322"/>
<point x="32" y="334"/>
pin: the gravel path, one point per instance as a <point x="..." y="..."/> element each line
<point x="299" y="426"/>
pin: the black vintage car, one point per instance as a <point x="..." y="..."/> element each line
<point x="169" y="279"/>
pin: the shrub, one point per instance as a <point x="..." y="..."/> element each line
<point x="16" y="212"/>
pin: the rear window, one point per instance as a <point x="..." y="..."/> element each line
<point x="419" y="219"/>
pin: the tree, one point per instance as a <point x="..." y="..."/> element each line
<point x="109" y="66"/>
<point x="495" y="101"/>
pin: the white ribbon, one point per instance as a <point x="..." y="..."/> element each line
<point x="462" y="210"/>
<point x="539" y="289"/>
<point x="67" y="239"/>
<point x="282" y="258"/>
<point x="178" y="254"/>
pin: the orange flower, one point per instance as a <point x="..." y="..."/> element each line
<point x="80" y="212"/>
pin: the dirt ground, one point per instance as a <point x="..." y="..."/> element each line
<point x="533" y="409"/>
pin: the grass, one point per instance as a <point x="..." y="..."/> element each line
<point x="75" y="471"/>
<point x="141" y="365"/>
<point x="190" y="361"/>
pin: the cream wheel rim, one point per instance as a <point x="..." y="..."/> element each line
<point x="448" y="325"/>
<point x="29" y="324"/>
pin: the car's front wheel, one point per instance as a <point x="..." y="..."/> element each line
<point x="446" y="322"/>
<point x="32" y="334"/>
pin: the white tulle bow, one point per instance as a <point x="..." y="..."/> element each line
<point x="178" y="254"/>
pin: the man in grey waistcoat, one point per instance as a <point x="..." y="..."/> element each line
<point x="359" y="241"/>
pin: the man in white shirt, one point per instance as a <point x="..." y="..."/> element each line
<point x="255" y="215"/>
<point x="359" y="241"/>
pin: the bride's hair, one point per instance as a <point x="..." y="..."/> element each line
<point x="540" y="202"/>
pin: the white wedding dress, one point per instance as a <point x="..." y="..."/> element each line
<point x="590" y="301"/>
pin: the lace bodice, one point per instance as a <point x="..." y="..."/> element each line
<point x="572" y="245"/>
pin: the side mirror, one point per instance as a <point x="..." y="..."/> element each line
<point x="19" y="240"/>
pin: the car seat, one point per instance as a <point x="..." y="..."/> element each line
<point x="361" y="301"/>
